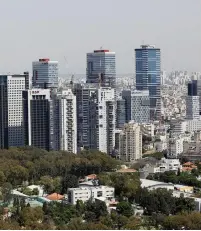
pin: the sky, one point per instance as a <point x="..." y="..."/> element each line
<point x="33" y="29"/>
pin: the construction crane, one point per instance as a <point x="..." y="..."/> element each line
<point x="72" y="75"/>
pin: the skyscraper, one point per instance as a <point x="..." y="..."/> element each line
<point x="45" y="73"/>
<point x="120" y="112"/>
<point x="37" y="119"/>
<point x="148" y="76"/>
<point x="11" y="110"/>
<point x="66" y="122"/>
<point x="192" y="101"/>
<point x="137" y="105"/>
<point x="101" y="68"/>
<point x="98" y="113"/>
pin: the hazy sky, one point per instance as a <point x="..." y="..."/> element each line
<point x="31" y="29"/>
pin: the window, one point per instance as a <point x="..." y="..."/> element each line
<point x="99" y="194"/>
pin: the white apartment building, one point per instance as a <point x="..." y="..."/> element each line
<point x="86" y="193"/>
<point x="106" y="120"/>
<point x="11" y="110"/>
<point x="147" y="129"/>
<point x="67" y="118"/>
<point x="163" y="166"/>
<point x="45" y="73"/>
<point x="192" y="107"/>
<point x="130" y="142"/>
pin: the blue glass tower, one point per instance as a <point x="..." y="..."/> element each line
<point x="148" y="71"/>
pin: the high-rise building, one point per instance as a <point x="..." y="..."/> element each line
<point x="45" y="74"/>
<point x="98" y="118"/>
<point x="101" y="68"/>
<point x="11" y="110"/>
<point x="192" y="101"/>
<point x="38" y="126"/>
<point x="66" y="119"/>
<point x="148" y="76"/>
<point x="130" y="142"/>
<point x="137" y="105"/>
<point x="120" y="112"/>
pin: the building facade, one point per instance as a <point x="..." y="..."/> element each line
<point x="98" y="118"/>
<point x="148" y="76"/>
<point x="45" y="74"/>
<point x="120" y="112"/>
<point x="11" y="110"/>
<point x="101" y="68"/>
<point x="38" y="127"/>
<point x="86" y="193"/>
<point x="192" y="101"/>
<point x="66" y="116"/>
<point x="140" y="111"/>
<point x="137" y="105"/>
<point x="130" y="142"/>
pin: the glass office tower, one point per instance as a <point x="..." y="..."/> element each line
<point x="148" y="71"/>
<point x="101" y="68"/>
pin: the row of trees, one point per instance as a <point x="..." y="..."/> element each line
<point x="179" y="178"/>
<point x="52" y="169"/>
<point x="162" y="201"/>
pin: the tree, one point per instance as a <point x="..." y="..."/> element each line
<point x="6" y="190"/>
<point x="80" y="207"/>
<point x="95" y="210"/>
<point x="125" y="184"/>
<point x="35" y="192"/>
<point x="29" y="216"/>
<point x="133" y="223"/>
<point x="125" y="208"/>
<point x="69" y="181"/>
<point x="47" y="183"/>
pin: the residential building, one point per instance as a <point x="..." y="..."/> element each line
<point x="66" y="118"/>
<point x="147" y="129"/>
<point x="161" y="166"/>
<point x="38" y="126"/>
<point x="11" y="110"/>
<point x="148" y="76"/>
<point x="121" y="112"/>
<point x="101" y="68"/>
<point x="98" y="118"/>
<point x="130" y="142"/>
<point x="86" y="193"/>
<point x="45" y="73"/>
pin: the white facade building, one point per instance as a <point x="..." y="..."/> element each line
<point x="106" y="120"/>
<point x="192" y="107"/>
<point x="67" y="117"/>
<point x="130" y="142"/>
<point x="147" y="129"/>
<point x="11" y="110"/>
<point x="45" y="73"/>
<point x="86" y="193"/>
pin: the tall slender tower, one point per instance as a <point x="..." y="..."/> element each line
<point x="11" y="110"/>
<point x="148" y="76"/>
<point x="101" y="68"/>
<point x="192" y="101"/>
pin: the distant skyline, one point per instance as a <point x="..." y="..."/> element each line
<point x="35" y="29"/>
